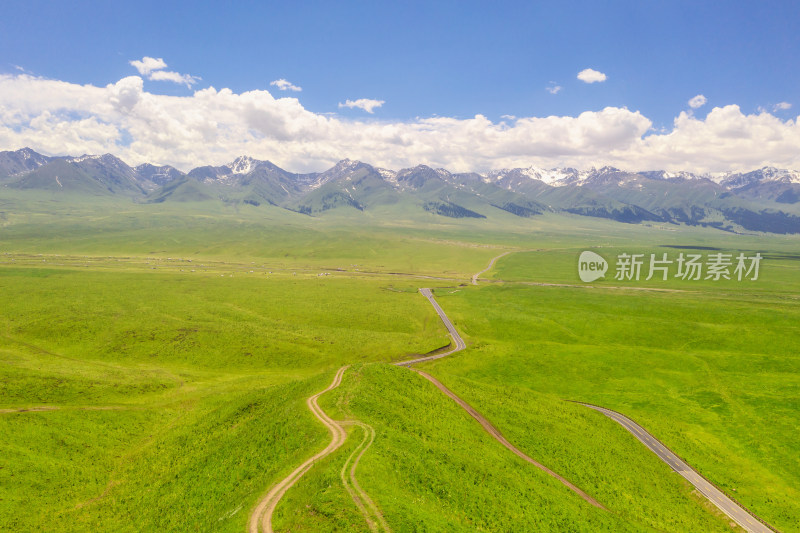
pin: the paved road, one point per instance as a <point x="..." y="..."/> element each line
<point x="738" y="513"/>
<point x="489" y="267"/>
<point x="460" y="344"/>
<point x="490" y="429"/>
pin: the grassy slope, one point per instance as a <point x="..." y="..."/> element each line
<point x="711" y="372"/>
<point x="182" y="397"/>
<point x="432" y="468"/>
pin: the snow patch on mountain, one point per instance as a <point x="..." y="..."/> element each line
<point x="82" y="158"/>
<point x="556" y="177"/>
<point x="388" y="175"/>
<point x="243" y="165"/>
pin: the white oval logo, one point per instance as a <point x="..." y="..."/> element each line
<point x="591" y="266"/>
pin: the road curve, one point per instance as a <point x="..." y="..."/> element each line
<point x="736" y="512"/>
<point x="487" y="426"/>
<point x="489" y="267"/>
<point x="261" y="517"/>
<point x="460" y="344"/>
<point x="732" y="509"/>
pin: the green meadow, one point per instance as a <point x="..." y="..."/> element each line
<point x="174" y="400"/>
<point x="710" y="368"/>
<point x="155" y="361"/>
<point x="432" y="468"/>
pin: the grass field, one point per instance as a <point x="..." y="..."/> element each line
<point x="169" y="352"/>
<point x="713" y="372"/>
<point x="426" y="472"/>
<point x="179" y="397"/>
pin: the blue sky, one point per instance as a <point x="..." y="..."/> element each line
<point x="423" y="59"/>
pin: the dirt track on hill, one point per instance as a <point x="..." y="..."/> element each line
<point x="43" y="408"/>
<point x="488" y="267"/>
<point x="365" y="504"/>
<point x="487" y="426"/>
<point x="261" y="517"/>
<point x="494" y="432"/>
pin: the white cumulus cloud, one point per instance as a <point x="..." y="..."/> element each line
<point x="553" y="88"/>
<point x="285" y="85"/>
<point x="697" y="101"/>
<point x="589" y="75"/>
<point x="366" y="104"/>
<point x="146" y="65"/>
<point x="782" y="106"/>
<point x="153" y="68"/>
<point x="125" y="94"/>
<point x="213" y="126"/>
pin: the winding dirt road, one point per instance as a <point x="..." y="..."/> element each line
<point x="487" y="426"/>
<point x="261" y="517"/>
<point x="369" y="510"/>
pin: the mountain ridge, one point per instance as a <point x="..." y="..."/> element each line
<point x="764" y="200"/>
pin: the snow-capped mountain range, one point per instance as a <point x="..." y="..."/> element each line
<point x="767" y="199"/>
<point x="561" y="177"/>
<point x="13" y="163"/>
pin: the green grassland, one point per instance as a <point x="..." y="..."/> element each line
<point x="434" y="469"/>
<point x="180" y="398"/>
<point x="392" y="240"/>
<point x="712" y="371"/>
<point x="168" y="352"/>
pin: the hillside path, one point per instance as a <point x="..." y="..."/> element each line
<point x="488" y="267"/>
<point x="261" y="517"/>
<point x="487" y="426"/>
